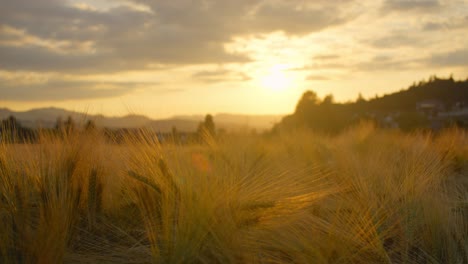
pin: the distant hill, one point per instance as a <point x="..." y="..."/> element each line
<point x="47" y="117"/>
<point x="230" y="121"/>
<point x="441" y="98"/>
<point x="166" y="125"/>
<point x="446" y="91"/>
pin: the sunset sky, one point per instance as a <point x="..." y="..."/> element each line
<point x="169" y="57"/>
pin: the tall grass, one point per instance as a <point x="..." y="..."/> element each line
<point x="365" y="196"/>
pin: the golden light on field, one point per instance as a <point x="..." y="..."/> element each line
<point x="277" y="78"/>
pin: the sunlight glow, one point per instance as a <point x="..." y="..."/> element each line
<point x="277" y="79"/>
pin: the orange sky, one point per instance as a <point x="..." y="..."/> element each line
<point x="164" y="58"/>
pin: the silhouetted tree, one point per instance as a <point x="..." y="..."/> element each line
<point x="327" y="116"/>
<point x="59" y="124"/>
<point x="175" y="134"/>
<point x="360" y="99"/>
<point x="309" y="99"/>
<point x="11" y="123"/>
<point x="11" y="130"/>
<point x="69" y="125"/>
<point x="207" y="127"/>
<point x="328" y="100"/>
<point x="90" y="126"/>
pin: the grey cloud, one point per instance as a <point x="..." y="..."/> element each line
<point x="177" y="32"/>
<point x="58" y="90"/>
<point x="395" y="62"/>
<point x="322" y="62"/>
<point x="458" y="58"/>
<point x="376" y="63"/>
<point x="296" y="21"/>
<point x="130" y="56"/>
<point x="215" y="73"/>
<point x="395" y="40"/>
<point x="386" y="63"/>
<point x="221" y="75"/>
<point x="432" y="26"/>
<point x="40" y="59"/>
<point x="453" y="23"/>
<point x="410" y="5"/>
<point x="122" y="38"/>
<point x="315" y="77"/>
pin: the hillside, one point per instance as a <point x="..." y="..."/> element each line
<point x="425" y="104"/>
<point x="446" y="91"/>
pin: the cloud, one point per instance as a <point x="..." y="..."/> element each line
<point x="33" y="58"/>
<point x="326" y="64"/>
<point x="376" y="63"/>
<point x="295" y="21"/>
<point x="457" y="58"/>
<point x="120" y="38"/>
<point x="386" y="63"/>
<point x="453" y="23"/>
<point x="315" y="77"/>
<point x="433" y="26"/>
<point x="51" y="35"/>
<point x="395" y="40"/>
<point x="220" y="75"/>
<point x="410" y="5"/>
<point x="129" y="57"/>
<point x="58" y="90"/>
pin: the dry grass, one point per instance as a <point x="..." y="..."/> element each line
<point x="365" y="196"/>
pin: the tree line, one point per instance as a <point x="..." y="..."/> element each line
<point x="12" y="131"/>
<point x="400" y="108"/>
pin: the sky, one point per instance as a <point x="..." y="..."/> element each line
<point x="163" y="58"/>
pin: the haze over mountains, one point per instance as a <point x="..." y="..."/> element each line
<point x="47" y="117"/>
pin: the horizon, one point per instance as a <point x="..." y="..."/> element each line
<point x="164" y="59"/>
<point x="202" y="115"/>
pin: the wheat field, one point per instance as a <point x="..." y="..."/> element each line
<point x="364" y="196"/>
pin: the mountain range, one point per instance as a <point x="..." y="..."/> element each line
<point x="47" y="118"/>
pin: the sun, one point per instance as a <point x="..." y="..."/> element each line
<point x="277" y="78"/>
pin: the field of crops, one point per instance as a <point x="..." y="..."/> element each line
<point x="364" y="196"/>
